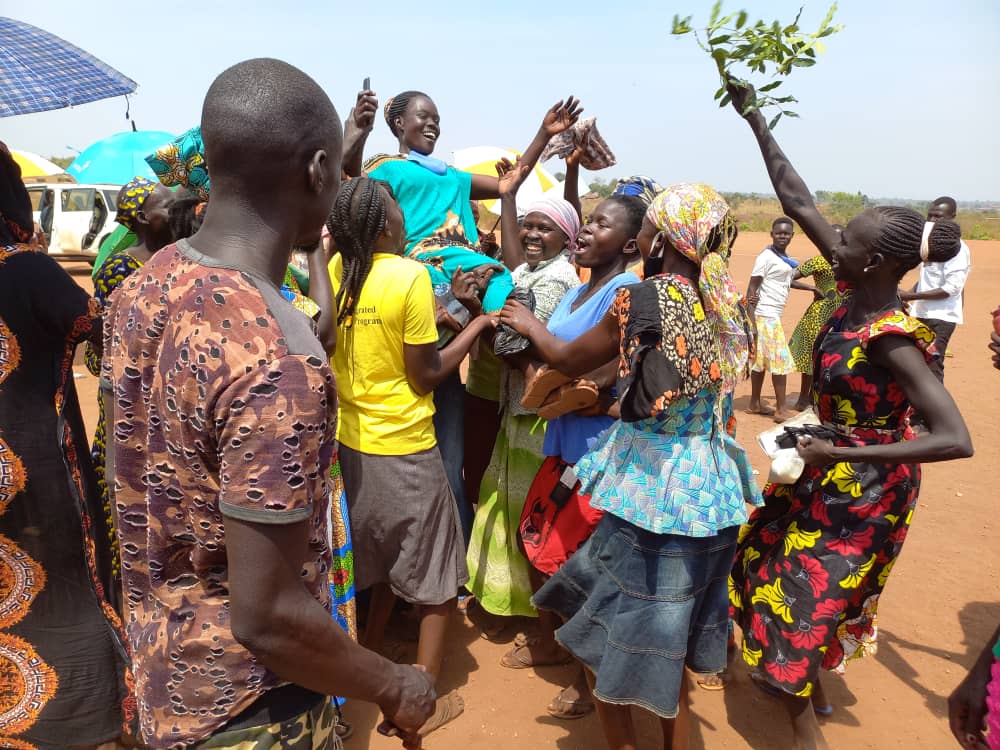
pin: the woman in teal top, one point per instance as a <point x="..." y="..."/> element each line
<point x="435" y="198"/>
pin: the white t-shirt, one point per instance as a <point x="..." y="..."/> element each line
<point x="950" y="276"/>
<point x="776" y="278"/>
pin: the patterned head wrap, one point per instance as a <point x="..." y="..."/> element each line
<point x="182" y="162"/>
<point x="644" y="188"/>
<point x="131" y="198"/>
<point x="562" y="213"/>
<point x="689" y="215"/>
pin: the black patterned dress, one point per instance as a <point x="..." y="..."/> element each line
<point x="812" y="563"/>
<point x="62" y="660"/>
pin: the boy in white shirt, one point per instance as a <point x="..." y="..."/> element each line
<point x="936" y="299"/>
<point x="770" y="281"/>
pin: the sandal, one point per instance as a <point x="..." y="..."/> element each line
<point x="520" y="656"/>
<point x="560" y="708"/>
<point x="449" y="707"/>
<point x="712" y="682"/>
<point x="540" y="385"/>
<point x="569" y="398"/>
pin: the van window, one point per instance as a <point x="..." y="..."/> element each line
<point x="36" y="198"/>
<point x="111" y="199"/>
<point x="77" y="199"/>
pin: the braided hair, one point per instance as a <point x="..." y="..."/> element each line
<point x="396" y="106"/>
<point x="900" y="231"/>
<point x="185" y="215"/>
<point x="357" y="219"/>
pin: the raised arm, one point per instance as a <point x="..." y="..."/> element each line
<point x="357" y="128"/>
<point x="511" y="177"/>
<point x="791" y="189"/>
<point x="571" y="187"/>
<point x="574" y="358"/>
<point x="561" y="116"/>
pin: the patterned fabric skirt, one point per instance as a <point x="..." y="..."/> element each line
<point x="805" y="333"/>
<point x="311" y="730"/>
<point x="811" y="565"/>
<point x="498" y="570"/>
<point x="993" y="702"/>
<point x="772" y="348"/>
<point x="342" y="572"/>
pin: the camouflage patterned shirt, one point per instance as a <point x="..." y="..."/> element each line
<point x="224" y="407"/>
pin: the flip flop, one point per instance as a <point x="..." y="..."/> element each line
<point x="520" y="657"/>
<point x="540" y="385"/>
<point x="712" y="687"/>
<point x="449" y="707"/>
<point x="571" y="397"/>
<point x="560" y="708"/>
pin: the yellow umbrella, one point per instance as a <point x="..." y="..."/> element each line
<point x="481" y="160"/>
<point x="33" y="165"/>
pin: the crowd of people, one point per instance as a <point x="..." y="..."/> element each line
<point x="285" y="434"/>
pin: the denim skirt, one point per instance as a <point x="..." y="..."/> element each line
<point x="640" y="606"/>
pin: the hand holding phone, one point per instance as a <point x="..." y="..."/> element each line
<point x="366" y="106"/>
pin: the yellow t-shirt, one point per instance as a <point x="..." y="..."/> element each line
<point x="379" y="412"/>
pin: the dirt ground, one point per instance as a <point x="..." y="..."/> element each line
<point x="940" y="605"/>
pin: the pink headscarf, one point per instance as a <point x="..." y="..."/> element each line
<point x="561" y="211"/>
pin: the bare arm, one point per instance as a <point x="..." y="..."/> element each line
<point x="427" y="367"/>
<point x="947" y="437"/>
<point x="796" y="199"/>
<point x="321" y="292"/>
<point x="357" y="128"/>
<point x="753" y="294"/>
<point x="571" y="187"/>
<point x="290" y="633"/>
<point x="574" y="358"/>
<point x="511" y="177"/>
<point x="560" y="116"/>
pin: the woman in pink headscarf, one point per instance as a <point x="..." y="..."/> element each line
<point x="538" y="252"/>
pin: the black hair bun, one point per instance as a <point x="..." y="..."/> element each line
<point x="944" y="242"/>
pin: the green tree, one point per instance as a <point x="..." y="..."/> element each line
<point x="62" y="161"/>
<point x="602" y="188"/>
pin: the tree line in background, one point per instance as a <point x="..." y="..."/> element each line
<point x="980" y="220"/>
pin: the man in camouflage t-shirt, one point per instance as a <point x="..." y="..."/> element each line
<point x="222" y="411"/>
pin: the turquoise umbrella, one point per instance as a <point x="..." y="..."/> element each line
<point x="118" y="159"/>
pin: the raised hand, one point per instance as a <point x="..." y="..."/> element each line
<point x="573" y="160"/>
<point x="512" y="175"/>
<point x="741" y="94"/>
<point x="363" y="114"/>
<point x="561" y="116"/>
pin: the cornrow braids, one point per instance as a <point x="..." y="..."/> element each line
<point x="396" y="106"/>
<point x="357" y="219"/>
<point x="900" y="233"/>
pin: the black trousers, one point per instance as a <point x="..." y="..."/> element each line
<point x="943" y="331"/>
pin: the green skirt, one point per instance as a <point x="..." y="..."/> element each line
<point x="498" y="571"/>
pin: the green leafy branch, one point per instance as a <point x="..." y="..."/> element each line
<point x="765" y="48"/>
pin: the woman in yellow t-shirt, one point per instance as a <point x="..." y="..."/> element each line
<point x="407" y="534"/>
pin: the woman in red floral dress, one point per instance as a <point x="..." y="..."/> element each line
<point x="813" y="561"/>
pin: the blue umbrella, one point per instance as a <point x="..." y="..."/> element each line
<point x="118" y="159"/>
<point x="39" y="71"/>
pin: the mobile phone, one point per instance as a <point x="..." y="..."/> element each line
<point x="367" y="84"/>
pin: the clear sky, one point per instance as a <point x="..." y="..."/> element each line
<point x="905" y="103"/>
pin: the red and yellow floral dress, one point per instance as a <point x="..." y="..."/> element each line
<point x="812" y="563"/>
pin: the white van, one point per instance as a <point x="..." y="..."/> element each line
<point x="75" y="218"/>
